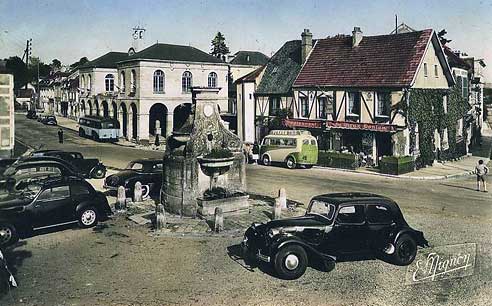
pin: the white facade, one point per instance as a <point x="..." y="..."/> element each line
<point x="7" y="126"/>
<point x="152" y="91"/>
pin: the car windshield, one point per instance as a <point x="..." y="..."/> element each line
<point x="318" y="207"/>
<point x="135" y="166"/>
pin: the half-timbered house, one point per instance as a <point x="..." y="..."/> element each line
<point x="347" y="91"/>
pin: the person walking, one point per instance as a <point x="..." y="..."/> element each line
<point x="481" y="171"/>
<point x="60" y="135"/>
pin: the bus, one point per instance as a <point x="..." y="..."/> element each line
<point x="99" y="128"/>
<point x="292" y="147"/>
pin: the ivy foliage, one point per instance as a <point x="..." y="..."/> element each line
<point x="426" y="108"/>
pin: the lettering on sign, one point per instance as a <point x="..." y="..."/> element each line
<point x="300" y="123"/>
<point x="361" y="126"/>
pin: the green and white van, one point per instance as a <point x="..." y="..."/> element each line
<point x="292" y="147"/>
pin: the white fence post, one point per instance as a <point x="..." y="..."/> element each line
<point x="137" y="192"/>
<point x="160" y="218"/>
<point x="282" y="194"/>
<point x="121" y="202"/>
<point x="219" y="220"/>
<point x="277" y="209"/>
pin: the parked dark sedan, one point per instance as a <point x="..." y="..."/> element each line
<point x="146" y="171"/>
<point x="33" y="169"/>
<point x="49" y="203"/>
<point x="31" y="114"/>
<point x="49" y="120"/>
<point x="87" y="167"/>
<point x="335" y="226"/>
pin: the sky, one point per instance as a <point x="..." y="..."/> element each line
<point x="69" y="30"/>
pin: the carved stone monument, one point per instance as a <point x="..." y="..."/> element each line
<point x="204" y="166"/>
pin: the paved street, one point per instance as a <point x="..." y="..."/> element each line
<point x="120" y="263"/>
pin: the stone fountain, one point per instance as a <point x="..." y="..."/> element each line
<point x="204" y="166"/>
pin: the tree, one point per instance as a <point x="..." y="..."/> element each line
<point x="19" y="70"/>
<point x="44" y="69"/>
<point x="80" y="62"/>
<point x="443" y="40"/>
<point x="56" y="64"/>
<point x="219" y="47"/>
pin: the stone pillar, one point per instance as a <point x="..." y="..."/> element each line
<point x="169" y="123"/>
<point x="143" y="128"/>
<point x="160" y="218"/>
<point x="219" y="220"/>
<point x="282" y="195"/>
<point x="277" y="209"/>
<point x="137" y="192"/>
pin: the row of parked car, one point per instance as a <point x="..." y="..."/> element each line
<point x="48" y="188"/>
<point x="43" y="118"/>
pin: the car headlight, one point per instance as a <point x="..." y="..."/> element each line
<point x="273" y="232"/>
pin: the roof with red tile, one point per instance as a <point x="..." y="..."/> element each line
<point x="378" y="61"/>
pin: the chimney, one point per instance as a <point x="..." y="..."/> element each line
<point x="306" y="44"/>
<point x="356" y="37"/>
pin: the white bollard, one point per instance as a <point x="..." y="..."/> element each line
<point x="219" y="220"/>
<point x="160" y="218"/>
<point x="282" y="194"/>
<point x="137" y="192"/>
<point x="277" y="210"/>
<point x="121" y="202"/>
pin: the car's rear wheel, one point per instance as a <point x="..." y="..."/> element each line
<point x="8" y="235"/>
<point x="405" y="250"/>
<point x="290" y="162"/>
<point x="266" y="160"/>
<point x="88" y="217"/>
<point x="291" y="262"/>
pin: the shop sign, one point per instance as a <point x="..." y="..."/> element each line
<point x="303" y="123"/>
<point x="361" y="126"/>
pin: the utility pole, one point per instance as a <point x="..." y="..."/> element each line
<point x="28" y="53"/>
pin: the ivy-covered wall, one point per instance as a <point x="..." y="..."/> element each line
<point x="426" y="108"/>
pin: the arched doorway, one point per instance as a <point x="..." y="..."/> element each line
<point x="96" y="107"/>
<point x="123" y="119"/>
<point x="105" y="109"/>
<point x="89" y="103"/>
<point x="115" y="111"/>
<point x="181" y="114"/>
<point x="133" y="121"/>
<point x="82" y="108"/>
<point x="158" y="112"/>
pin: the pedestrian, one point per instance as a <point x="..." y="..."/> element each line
<point x="481" y="171"/>
<point x="60" y="135"/>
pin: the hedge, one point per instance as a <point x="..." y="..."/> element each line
<point x="337" y="160"/>
<point x="397" y="165"/>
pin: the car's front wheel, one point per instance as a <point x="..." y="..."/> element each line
<point x="405" y="250"/>
<point x="8" y="235"/>
<point x="291" y="262"/>
<point x="88" y="217"/>
<point x="266" y="160"/>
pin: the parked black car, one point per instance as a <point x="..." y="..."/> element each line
<point x="87" y="167"/>
<point x="49" y="203"/>
<point x="49" y="120"/>
<point x="335" y="226"/>
<point x="146" y="171"/>
<point x="31" y="114"/>
<point x="33" y="169"/>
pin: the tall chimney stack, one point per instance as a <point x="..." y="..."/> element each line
<point x="306" y="44"/>
<point x="356" y="37"/>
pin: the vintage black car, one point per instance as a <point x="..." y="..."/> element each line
<point x="49" y="203"/>
<point x="31" y="114"/>
<point x="335" y="226"/>
<point x="33" y="169"/>
<point x="87" y="167"/>
<point x="49" y="120"/>
<point x="146" y="171"/>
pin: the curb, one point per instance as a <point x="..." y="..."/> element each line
<point x="430" y="178"/>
